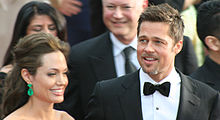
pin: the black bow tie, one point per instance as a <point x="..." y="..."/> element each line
<point x="164" y="88"/>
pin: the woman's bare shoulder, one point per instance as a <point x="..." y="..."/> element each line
<point x="16" y="115"/>
<point x="13" y="117"/>
<point x="65" y="116"/>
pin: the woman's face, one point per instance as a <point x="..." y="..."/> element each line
<point x="41" y="23"/>
<point x="50" y="80"/>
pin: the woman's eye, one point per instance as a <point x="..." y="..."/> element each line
<point x="37" y="30"/>
<point x="52" y="28"/>
<point x="66" y="73"/>
<point x="51" y="74"/>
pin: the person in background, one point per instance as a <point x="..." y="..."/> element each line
<point x="8" y="11"/>
<point x="35" y="17"/>
<point x="186" y="61"/>
<point x="37" y="80"/>
<point x="157" y="91"/>
<point x="189" y="14"/>
<point x="109" y="55"/>
<point x="208" y="28"/>
<point x="67" y="7"/>
<point x="77" y="14"/>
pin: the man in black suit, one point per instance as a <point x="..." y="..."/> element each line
<point x="102" y="57"/>
<point x="186" y="61"/>
<point x="208" y="27"/>
<point x="157" y="90"/>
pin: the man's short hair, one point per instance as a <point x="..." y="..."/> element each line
<point x="208" y="20"/>
<point x="167" y="14"/>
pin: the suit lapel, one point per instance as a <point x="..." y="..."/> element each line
<point x="189" y="101"/>
<point x="130" y="98"/>
<point x="103" y="61"/>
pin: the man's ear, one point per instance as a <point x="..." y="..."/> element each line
<point x="178" y="46"/>
<point x="26" y="76"/>
<point x="145" y="5"/>
<point x="213" y="43"/>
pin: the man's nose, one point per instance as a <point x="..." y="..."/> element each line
<point x="118" y="13"/>
<point x="149" y="47"/>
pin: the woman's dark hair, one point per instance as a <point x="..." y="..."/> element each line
<point x="27" y="54"/>
<point x="25" y="15"/>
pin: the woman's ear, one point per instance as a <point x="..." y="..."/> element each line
<point x="213" y="43"/>
<point x="26" y="76"/>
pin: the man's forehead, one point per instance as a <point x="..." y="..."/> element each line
<point x="120" y="1"/>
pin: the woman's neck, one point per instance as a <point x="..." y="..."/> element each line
<point x="39" y="110"/>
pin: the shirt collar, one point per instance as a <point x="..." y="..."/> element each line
<point x="118" y="46"/>
<point x="173" y="78"/>
<point x="169" y="78"/>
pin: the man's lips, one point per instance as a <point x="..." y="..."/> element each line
<point x="149" y="59"/>
<point x="118" y="23"/>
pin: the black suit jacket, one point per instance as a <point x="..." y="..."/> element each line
<point x="89" y="62"/>
<point x="186" y="60"/>
<point x="119" y="99"/>
<point x="208" y="73"/>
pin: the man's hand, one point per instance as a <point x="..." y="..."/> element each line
<point x="67" y="7"/>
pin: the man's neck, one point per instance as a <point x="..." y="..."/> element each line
<point x="125" y="39"/>
<point x="215" y="56"/>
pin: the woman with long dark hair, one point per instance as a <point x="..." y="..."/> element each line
<point x="38" y="79"/>
<point x="32" y="18"/>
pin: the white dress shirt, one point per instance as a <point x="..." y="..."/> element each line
<point x="157" y="106"/>
<point x="118" y="54"/>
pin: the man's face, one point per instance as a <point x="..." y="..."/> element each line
<point x="156" y="50"/>
<point x="121" y="16"/>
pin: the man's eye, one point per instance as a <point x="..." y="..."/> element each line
<point x="110" y="6"/>
<point x="158" y="41"/>
<point x="127" y="7"/>
<point x="143" y="41"/>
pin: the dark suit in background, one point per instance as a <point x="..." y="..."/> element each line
<point x="208" y="27"/>
<point x="208" y="73"/>
<point x="186" y="60"/>
<point x="78" y="26"/>
<point x="119" y="99"/>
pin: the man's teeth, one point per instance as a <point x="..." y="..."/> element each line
<point x="149" y="58"/>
